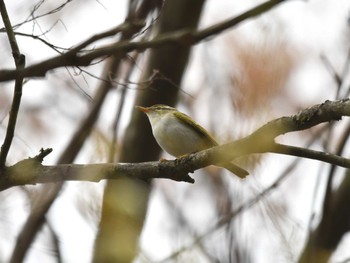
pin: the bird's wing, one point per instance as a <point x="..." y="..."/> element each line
<point x="210" y="141"/>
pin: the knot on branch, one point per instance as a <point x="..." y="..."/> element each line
<point x="43" y="153"/>
<point x="26" y="171"/>
<point x="324" y="112"/>
<point x="23" y="172"/>
<point x="174" y="170"/>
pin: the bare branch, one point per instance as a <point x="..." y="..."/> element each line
<point x="312" y="154"/>
<point x="37" y="37"/>
<point x="17" y="94"/>
<point x="30" y="171"/>
<point x="262" y="140"/>
<point x="182" y="37"/>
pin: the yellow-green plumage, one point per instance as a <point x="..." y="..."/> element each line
<point x="207" y="138"/>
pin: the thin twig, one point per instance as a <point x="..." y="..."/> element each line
<point x="339" y="80"/>
<point x="33" y="17"/>
<point x="332" y="72"/>
<point x="311" y="154"/>
<point x="36" y="37"/>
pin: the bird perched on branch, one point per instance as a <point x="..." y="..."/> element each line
<point x="178" y="134"/>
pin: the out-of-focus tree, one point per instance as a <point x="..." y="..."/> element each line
<point x="232" y="75"/>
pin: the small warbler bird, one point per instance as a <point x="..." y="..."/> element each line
<point x="178" y="134"/>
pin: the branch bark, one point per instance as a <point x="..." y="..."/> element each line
<point x="30" y="171"/>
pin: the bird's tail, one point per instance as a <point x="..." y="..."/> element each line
<point x="240" y="172"/>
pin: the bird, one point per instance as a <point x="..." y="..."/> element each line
<point x="178" y="134"/>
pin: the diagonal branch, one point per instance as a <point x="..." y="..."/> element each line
<point x="30" y="171"/>
<point x="262" y="140"/>
<point x="17" y="94"/>
<point x="182" y="37"/>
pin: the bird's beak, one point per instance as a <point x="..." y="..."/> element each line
<point x="143" y="109"/>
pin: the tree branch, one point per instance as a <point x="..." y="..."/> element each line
<point x="182" y="37"/>
<point x="17" y="94"/>
<point x="30" y="171"/>
<point x="262" y="140"/>
<point x="311" y="154"/>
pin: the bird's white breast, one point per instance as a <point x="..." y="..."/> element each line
<point x="174" y="137"/>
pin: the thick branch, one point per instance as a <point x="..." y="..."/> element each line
<point x="30" y="171"/>
<point x="262" y="140"/>
<point x="182" y="37"/>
